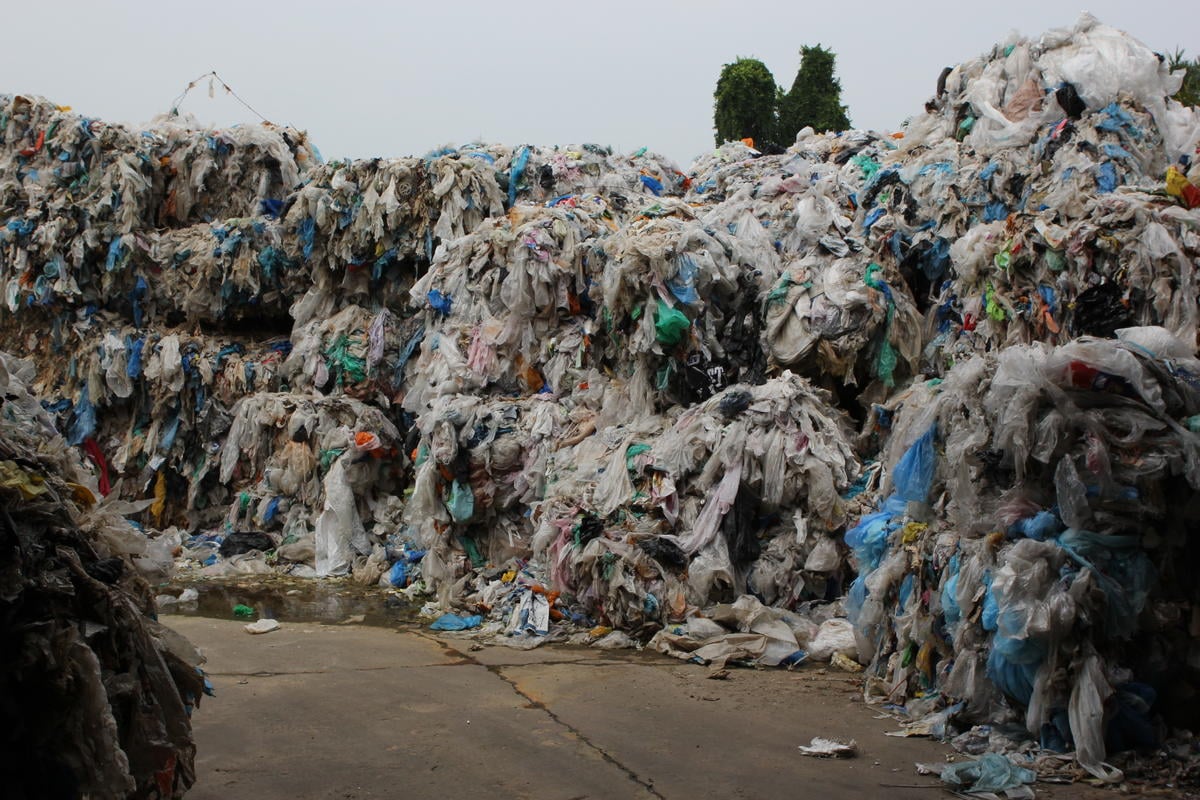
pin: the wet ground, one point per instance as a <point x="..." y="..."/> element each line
<point x="286" y="599"/>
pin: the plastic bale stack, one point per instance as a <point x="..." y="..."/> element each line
<point x="511" y="306"/>
<point x="96" y="695"/>
<point x="1038" y="178"/>
<point x="479" y="465"/>
<point x="670" y="295"/>
<point x="649" y="521"/>
<point x="810" y="225"/>
<point x="501" y="373"/>
<point x="308" y="471"/>
<point x="77" y="196"/>
<point x="1030" y="563"/>
<point x="147" y="406"/>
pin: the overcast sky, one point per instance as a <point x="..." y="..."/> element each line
<point x="398" y="78"/>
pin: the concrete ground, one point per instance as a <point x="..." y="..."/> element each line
<point x="351" y="712"/>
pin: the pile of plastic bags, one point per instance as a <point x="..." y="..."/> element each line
<point x="97" y="696"/>
<point x="555" y="388"/>
<point x="1030" y="560"/>
<point x="81" y="197"/>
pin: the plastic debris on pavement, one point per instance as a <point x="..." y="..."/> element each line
<point x="261" y="626"/>
<point x="820" y="747"/>
<point x="991" y="775"/>
<point x="455" y="622"/>
<point x="940" y="380"/>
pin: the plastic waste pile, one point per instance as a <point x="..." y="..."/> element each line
<point x="837" y="307"/>
<point x="554" y="388"/>
<point x="641" y="523"/>
<point x="96" y="695"/>
<point x="738" y="494"/>
<point x="83" y="198"/>
<point x="1030" y="560"/>
<point x="1043" y="163"/>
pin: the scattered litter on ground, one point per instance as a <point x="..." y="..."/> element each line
<point x="261" y="626"/>
<point x="821" y="747"/>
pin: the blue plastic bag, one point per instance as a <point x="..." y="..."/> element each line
<point x="83" y="426"/>
<point x="453" y="622"/>
<point x="439" y="302"/>
<point x="991" y="773"/>
<point x="913" y="474"/>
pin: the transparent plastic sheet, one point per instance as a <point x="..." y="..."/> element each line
<point x="1088" y="696"/>
<point x="338" y="524"/>
<point x="992" y="772"/>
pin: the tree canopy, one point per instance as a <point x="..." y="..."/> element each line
<point x="748" y="104"/>
<point x="815" y="97"/>
<point x="744" y="102"/>
<point x="1189" y="93"/>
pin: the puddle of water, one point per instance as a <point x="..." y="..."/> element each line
<point x="292" y="600"/>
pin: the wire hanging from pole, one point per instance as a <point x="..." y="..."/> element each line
<point x="214" y="77"/>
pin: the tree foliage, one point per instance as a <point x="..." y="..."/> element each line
<point x="748" y="104"/>
<point x="815" y="97"/>
<point x="744" y="102"/>
<point x="1189" y="93"/>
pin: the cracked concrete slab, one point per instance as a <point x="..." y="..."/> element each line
<point x="354" y="712"/>
<point x="360" y="712"/>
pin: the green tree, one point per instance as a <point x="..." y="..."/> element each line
<point x="815" y="97"/>
<point x="1189" y="93"/>
<point x="744" y="102"/>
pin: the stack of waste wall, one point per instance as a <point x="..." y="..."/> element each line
<point x="600" y="389"/>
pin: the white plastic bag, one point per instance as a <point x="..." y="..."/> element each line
<point x="834" y="636"/>
<point x="338" y="524"/>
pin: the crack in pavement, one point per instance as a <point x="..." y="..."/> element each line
<point x="459" y="659"/>
<point x="497" y="670"/>
<point x="262" y="673"/>
<point x="604" y="754"/>
<point x="271" y="674"/>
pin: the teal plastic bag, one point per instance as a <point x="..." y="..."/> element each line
<point x="991" y="773"/>
<point x="453" y="622"/>
<point x="670" y="324"/>
<point x="461" y="504"/>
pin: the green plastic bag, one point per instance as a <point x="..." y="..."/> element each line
<point x="670" y="324"/>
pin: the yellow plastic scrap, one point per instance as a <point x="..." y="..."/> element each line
<point x="160" y="498"/>
<point x="912" y="531"/>
<point x="82" y="495"/>
<point x="599" y="630"/>
<point x="12" y="476"/>
<point x="509" y="576"/>
<point x="845" y="663"/>
<point x="925" y="660"/>
<point x="1179" y="187"/>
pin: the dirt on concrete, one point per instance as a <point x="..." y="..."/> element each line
<point x="353" y="711"/>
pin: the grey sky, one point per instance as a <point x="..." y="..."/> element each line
<point x="389" y="79"/>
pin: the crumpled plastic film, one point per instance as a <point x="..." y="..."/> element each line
<point x="1042" y="549"/>
<point x="78" y="625"/>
